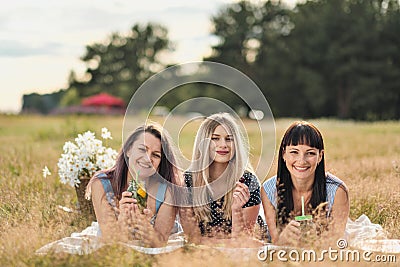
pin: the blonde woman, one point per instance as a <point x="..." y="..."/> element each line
<point x="223" y="190"/>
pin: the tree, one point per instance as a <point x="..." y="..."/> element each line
<point x="247" y="34"/>
<point x="36" y="103"/>
<point x="237" y="27"/>
<point x="274" y="62"/>
<point x="122" y="63"/>
<point x="341" y="61"/>
<point x="388" y="104"/>
<point x="324" y="58"/>
<point x="70" y="98"/>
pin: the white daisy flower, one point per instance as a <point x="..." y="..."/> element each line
<point x="105" y="134"/>
<point x="84" y="157"/>
<point x="46" y="172"/>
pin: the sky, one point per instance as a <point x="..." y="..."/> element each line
<point x="41" y="41"/>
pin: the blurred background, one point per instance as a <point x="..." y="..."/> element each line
<point x="311" y="59"/>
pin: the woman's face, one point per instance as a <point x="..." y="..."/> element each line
<point x="145" y="155"/>
<point x="302" y="161"/>
<point x="222" y="146"/>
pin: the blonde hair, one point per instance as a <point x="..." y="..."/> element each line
<point x="201" y="161"/>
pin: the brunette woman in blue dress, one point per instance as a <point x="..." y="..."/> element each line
<point x="301" y="174"/>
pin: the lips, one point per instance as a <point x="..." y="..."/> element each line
<point x="144" y="165"/>
<point x="223" y="152"/>
<point x="300" y="169"/>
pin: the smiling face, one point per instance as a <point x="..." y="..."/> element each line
<point x="222" y="146"/>
<point x="302" y="161"/>
<point x="145" y="155"/>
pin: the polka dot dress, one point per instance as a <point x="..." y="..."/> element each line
<point x="218" y="223"/>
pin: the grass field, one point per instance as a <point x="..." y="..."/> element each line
<point x="365" y="155"/>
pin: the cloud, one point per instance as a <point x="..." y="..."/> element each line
<point x="189" y="10"/>
<point x="14" y="48"/>
<point x="43" y="39"/>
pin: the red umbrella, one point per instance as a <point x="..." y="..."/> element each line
<point x="103" y="99"/>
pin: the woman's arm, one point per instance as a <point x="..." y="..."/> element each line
<point x="105" y="213"/>
<point x="290" y="235"/>
<point x="189" y="222"/>
<point x="243" y="218"/>
<point x="190" y="225"/>
<point x="135" y="224"/>
<point x="270" y="216"/>
<point x="165" y="217"/>
<point x="250" y="216"/>
<point x="340" y="212"/>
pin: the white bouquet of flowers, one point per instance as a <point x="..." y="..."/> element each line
<point x="84" y="157"/>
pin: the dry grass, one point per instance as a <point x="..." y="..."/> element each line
<point x="365" y="155"/>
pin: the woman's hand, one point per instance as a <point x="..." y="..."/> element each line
<point x="128" y="207"/>
<point x="291" y="234"/>
<point x="128" y="216"/>
<point x="241" y="196"/>
<point x="136" y="224"/>
<point x="189" y="224"/>
<point x="145" y="231"/>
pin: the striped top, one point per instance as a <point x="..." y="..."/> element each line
<point x="332" y="184"/>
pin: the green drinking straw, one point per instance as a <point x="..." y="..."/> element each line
<point x="303" y="217"/>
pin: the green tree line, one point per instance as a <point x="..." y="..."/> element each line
<point x="322" y="58"/>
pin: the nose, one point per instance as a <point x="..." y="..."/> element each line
<point x="302" y="158"/>
<point x="221" y="143"/>
<point x="148" y="156"/>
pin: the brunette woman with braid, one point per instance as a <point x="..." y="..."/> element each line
<point x="301" y="174"/>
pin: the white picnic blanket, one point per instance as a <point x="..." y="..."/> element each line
<point x="365" y="235"/>
<point x="88" y="241"/>
<point x="360" y="234"/>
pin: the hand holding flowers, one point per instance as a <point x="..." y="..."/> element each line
<point x="138" y="192"/>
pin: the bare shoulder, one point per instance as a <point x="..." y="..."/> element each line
<point x="97" y="187"/>
<point x="342" y="194"/>
<point x="344" y="187"/>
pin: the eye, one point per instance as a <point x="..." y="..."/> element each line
<point x="215" y="138"/>
<point x="312" y="153"/>
<point x="158" y="156"/>
<point x="229" y="139"/>
<point x="293" y="152"/>
<point x="142" y="149"/>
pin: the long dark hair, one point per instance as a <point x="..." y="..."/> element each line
<point x="167" y="169"/>
<point x="299" y="133"/>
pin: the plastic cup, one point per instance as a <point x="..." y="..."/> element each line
<point x="306" y="224"/>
